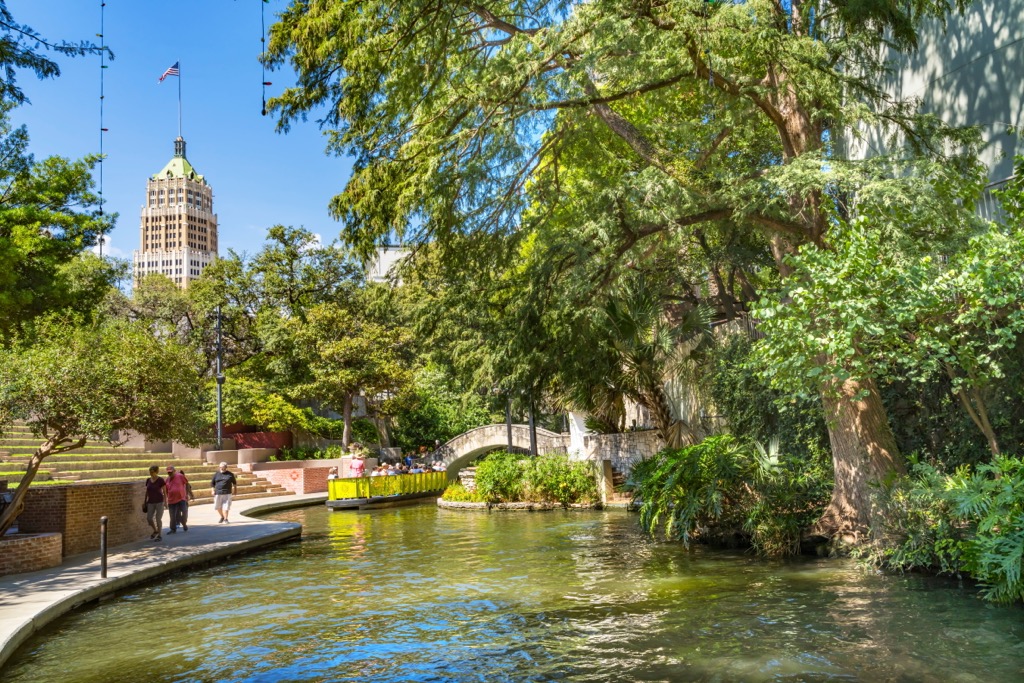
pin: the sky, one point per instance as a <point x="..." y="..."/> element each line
<point x="260" y="178"/>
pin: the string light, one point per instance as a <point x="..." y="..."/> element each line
<point x="263" y="53"/>
<point x="103" y="66"/>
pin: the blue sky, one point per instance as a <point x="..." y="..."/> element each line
<point x="259" y="177"/>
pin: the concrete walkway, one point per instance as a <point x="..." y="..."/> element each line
<point x="30" y="601"/>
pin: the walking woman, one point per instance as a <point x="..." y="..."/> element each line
<point x="154" y="505"/>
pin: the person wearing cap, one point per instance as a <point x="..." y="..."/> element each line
<point x="177" y="499"/>
<point x="222" y="487"/>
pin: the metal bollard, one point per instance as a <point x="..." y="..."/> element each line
<point x="103" y="547"/>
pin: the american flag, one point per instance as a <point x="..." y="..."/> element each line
<point x="171" y="71"/>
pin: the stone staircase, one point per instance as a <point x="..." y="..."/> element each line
<point x="100" y="462"/>
<point x="619" y="497"/>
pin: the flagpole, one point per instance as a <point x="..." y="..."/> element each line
<point x="179" y="98"/>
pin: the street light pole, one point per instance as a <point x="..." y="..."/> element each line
<point x="220" y="386"/>
<point x="533" y="428"/>
<point x="508" y="421"/>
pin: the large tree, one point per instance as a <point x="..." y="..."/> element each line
<point x="348" y="354"/>
<point x="49" y="212"/>
<point x="719" y="115"/>
<point x="80" y="382"/>
<point x="49" y="216"/>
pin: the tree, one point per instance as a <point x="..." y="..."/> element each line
<point x="346" y="355"/>
<point x="49" y="215"/>
<point x="957" y="313"/>
<point x="80" y="382"/>
<point x="722" y="114"/>
<point x="20" y="49"/>
<point x="437" y="412"/>
<point x="649" y="348"/>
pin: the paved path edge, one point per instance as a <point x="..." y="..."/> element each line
<point x="52" y="611"/>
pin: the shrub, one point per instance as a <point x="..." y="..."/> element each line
<point x="499" y="477"/>
<point x="326" y="427"/>
<point x="968" y="522"/>
<point x="727" y="492"/>
<point x="457" y="493"/>
<point x="554" y="478"/>
<point x="301" y="453"/>
<point x="364" y="431"/>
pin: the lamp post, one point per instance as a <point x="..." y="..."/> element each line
<point x="220" y="386"/>
<point x="533" y="425"/>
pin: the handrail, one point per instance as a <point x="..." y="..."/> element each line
<point x="391" y="485"/>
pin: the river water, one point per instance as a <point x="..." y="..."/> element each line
<point x="422" y="594"/>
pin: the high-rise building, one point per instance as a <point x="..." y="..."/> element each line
<point x="178" y="229"/>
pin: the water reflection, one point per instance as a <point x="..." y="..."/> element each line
<point x="421" y="594"/>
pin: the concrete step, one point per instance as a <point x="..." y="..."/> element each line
<point x="77" y="461"/>
<point x="116" y="463"/>
<point x="128" y="472"/>
<point x="16" y="476"/>
<point x="244" y="496"/>
<point x="30" y="448"/>
<point x="20" y="467"/>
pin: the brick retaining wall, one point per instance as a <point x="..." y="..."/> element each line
<point x="20" y="553"/>
<point x="298" y="479"/>
<point x="74" y="511"/>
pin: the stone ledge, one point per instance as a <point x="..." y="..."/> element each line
<point x="512" y="507"/>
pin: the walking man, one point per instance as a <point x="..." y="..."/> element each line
<point x="222" y="487"/>
<point x="177" y="499"/>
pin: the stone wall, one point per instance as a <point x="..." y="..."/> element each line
<point x="621" y="449"/>
<point x="74" y="511"/>
<point x="21" y="553"/>
<point x="304" y="476"/>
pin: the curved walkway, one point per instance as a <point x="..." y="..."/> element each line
<point x="30" y="601"/>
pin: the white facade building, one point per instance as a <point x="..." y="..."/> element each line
<point x="178" y="229"/>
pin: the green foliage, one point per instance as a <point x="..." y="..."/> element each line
<point x="48" y="216"/>
<point x="364" y="431"/>
<point x="500" y="477"/>
<point x="20" y="48"/>
<point x="437" y="411"/>
<point x="87" y="381"/>
<point x="750" y="407"/>
<point x="969" y="522"/>
<point x="555" y="478"/>
<point x="276" y="414"/>
<point x="346" y="354"/>
<point x="251" y="402"/>
<point x="723" y="491"/>
<point x="303" y="453"/>
<point x="457" y="493"/>
<point x="509" y="477"/>
<point x="326" y="427"/>
<point x="80" y="382"/>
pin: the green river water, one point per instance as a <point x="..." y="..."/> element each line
<point x="422" y="594"/>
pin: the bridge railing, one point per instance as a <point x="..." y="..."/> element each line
<point x="394" y="485"/>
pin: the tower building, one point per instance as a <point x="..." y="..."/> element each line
<point x="178" y="229"/>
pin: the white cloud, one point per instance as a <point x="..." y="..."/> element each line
<point x="109" y="249"/>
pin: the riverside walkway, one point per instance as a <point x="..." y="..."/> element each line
<point x="30" y="601"/>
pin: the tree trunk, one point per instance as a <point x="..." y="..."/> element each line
<point x="864" y="456"/>
<point x="383" y="423"/>
<point x="675" y="433"/>
<point x="17" y="505"/>
<point x="346" y="414"/>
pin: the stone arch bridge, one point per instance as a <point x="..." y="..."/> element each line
<point x="620" y="451"/>
<point x="470" y="445"/>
